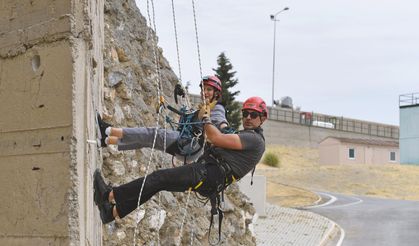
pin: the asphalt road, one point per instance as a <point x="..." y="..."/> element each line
<point x="371" y="221"/>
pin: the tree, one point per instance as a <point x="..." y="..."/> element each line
<point x="225" y="73"/>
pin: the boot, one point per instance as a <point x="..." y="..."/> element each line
<point x="102" y="127"/>
<point x="106" y="212"/>
<point x="101" y="189"/>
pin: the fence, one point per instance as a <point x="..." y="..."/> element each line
<point x="411" y="99"/>
<point x="327" y="121"/>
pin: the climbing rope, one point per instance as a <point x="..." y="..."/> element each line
<point x="159" y="196"/>
<point x="197" y="42"/>
<point x="158" y="113"/>
<point x="176" y="39"/>
<point x="186" y="97"/>
<point x="152" y="24"/>
<point x="184" y="215"/>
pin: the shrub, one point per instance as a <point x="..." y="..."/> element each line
<point x="271" y="159"/>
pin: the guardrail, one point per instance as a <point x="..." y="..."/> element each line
<point x="411" y="99"/>
<point x="326" y="121"/>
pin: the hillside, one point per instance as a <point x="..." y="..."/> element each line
<point x="300" y="168"/>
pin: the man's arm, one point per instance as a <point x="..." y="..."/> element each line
<point x="226" y="141"/>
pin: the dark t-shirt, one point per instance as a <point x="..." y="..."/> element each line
<point x="243" y="161"/>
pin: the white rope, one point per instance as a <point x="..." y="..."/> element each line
<point x="199" y="61"/>
<point x="176" y="39"/>
<point x="156" y="60"/>
<point x="186" y="101"/>
<point x="159" y="197"/>
<point x="197" y="40"/>
<point x="158" y="116"/>
<point x="184" y="216"/>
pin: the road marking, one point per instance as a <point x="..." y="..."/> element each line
<point x="348" y="204"/>
<point x="331" y="200"/>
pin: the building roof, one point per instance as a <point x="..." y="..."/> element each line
<point x="387" y="143"/>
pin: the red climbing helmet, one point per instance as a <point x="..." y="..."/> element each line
<point x="257" y="104"/>
<point x="212" y="81"/>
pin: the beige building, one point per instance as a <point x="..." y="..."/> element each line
<point x="337" y="151"/>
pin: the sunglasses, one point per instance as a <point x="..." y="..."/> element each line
<point x="253" y="114"/>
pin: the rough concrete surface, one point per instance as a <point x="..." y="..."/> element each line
<point x="47" y="51"/>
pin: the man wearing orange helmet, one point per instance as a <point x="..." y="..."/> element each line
<point x="142" y="137"/>
<point x="229" y="158"/>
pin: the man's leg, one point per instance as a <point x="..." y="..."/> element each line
<point x="177" y="179"/>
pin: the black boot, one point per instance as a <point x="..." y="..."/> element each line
<point x="101" y="189"/>
<point x="106" y="212"/>
<point x="102" y="126"/>
<point x="101" y="197"/>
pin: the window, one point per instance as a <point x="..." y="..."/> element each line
<point x="392" y="156"/>
<point x="351" y="153"/>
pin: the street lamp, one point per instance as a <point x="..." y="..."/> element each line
<point x="273" y="18"/>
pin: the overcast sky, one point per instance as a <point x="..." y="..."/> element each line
<point x="350" y="58"/>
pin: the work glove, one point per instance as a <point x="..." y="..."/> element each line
<point x="204" y="113"/>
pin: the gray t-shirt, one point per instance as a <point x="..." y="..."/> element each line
<point x="218" y="115"/>
<point x="243" y="161"/>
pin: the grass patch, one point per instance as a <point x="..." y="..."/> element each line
<point x="271" y="159"/>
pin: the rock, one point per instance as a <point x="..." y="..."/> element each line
<point x="121" y="234"/>
<point x="114" y="55"/>
<point x="114" y="78"/>
<point x="118" y="168"/>
<point x="118" y="115"/>
<point x="121" y="55"/>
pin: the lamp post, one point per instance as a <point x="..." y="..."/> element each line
<point x="273" y="18"/>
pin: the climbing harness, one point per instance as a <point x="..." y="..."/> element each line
<point x="215" y="195"/>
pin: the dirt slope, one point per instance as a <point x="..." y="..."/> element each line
<point x="300" y="171"/>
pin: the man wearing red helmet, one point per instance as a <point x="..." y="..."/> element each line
<point x="167" y="140"/>
<point x="230" y="157"/>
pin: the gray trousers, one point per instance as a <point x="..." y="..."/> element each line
<point x="142" y="137"/>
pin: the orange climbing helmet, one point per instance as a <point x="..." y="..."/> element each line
<point x="256" y="104"/>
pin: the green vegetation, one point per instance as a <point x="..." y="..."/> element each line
<point x="225" y="73"/>
<point x="271" y="159"/>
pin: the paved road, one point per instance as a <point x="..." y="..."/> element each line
<point x="372" y="221"/>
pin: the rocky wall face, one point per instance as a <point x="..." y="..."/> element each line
<point x="130" y="97"/>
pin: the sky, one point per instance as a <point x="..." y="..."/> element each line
<point x="350" y="58"/>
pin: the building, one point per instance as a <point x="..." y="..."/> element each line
<point x="409" y="128"/>
<point x="340" y="151"/>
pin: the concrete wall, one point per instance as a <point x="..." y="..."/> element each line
<point x="283" y="133"/>
<point x="409" y="134"/>
<point x="50" y="72"/>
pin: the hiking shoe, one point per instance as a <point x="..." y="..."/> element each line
<point x="106" y="212"/>
<point x="102" y="127"/>
<point x="101" y="189"/>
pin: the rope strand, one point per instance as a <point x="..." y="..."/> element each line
<point x="176" y="39"/>
<point x="158" y="114"/>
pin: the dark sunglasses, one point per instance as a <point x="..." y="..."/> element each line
<point x="253" y="114"/>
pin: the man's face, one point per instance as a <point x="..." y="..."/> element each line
<point x="252" y="119"/>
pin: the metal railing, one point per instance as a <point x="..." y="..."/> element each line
<point x="312" y="119"/>
<point x="410" y="99"/>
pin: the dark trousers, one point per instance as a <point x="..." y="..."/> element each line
<point x="178" y="179"/>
